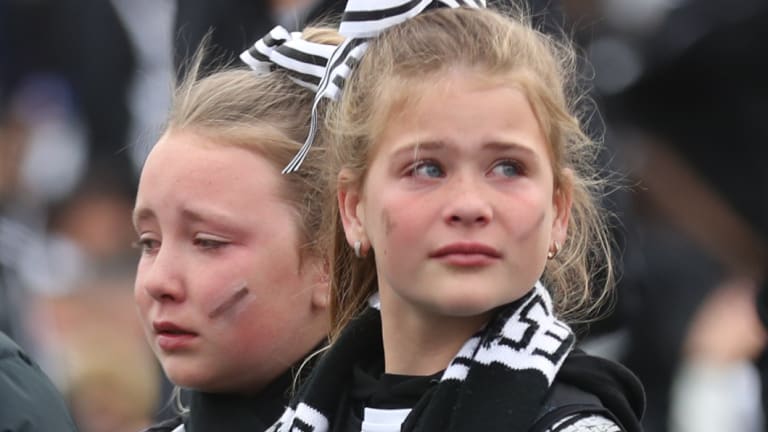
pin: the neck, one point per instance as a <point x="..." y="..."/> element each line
<point x="421" y="342"/>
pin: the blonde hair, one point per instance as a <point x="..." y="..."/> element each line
<point x="503" y="47"/>
<point x="266" y="113"/>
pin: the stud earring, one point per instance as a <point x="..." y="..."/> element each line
<point x="554" y="250"/>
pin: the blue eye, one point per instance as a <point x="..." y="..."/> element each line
<point x="507" y="168"/>
<point x="427" y="169"/>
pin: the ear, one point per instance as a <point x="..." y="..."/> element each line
<point x="351" y="210"/>
<point x="562" y="198"/>
<point x="319" y="281"/>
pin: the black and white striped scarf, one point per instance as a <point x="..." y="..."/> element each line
<point x="497" y="382"/>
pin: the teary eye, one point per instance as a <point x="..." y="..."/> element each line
<point x="507" y="168"/>
<point x="427" y="168"/>
<point x="147" y="245"/>
<point x="209" y="243"/>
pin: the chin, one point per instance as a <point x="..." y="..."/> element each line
<point x="474" y="303"/>
<point x="464" y="305"/>
<point x="187" y="377"/>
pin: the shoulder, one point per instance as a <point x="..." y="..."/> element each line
<point x="8" y="347"/>
<point x="585" y="422"/>
<point x="592" y="394"/>
<point x="570" y="409"/>
<point x="28" y="396"/>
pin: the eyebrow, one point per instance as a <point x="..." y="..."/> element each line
<point x="509" y="146"/>
<point x="418" y="146"/>
<point x="208" y="214"/>
<point x="193" y="215"/>
<point x="141" y="214"/>
<point x="492" y="146"/>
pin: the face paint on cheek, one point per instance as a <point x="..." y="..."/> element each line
<point x="389" y="226"/>
<point x="236" y="296"/>
<point x="534" y="227"/>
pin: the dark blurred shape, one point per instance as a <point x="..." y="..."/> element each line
<point x="30" y="401"/>
<point x="84" y="42"/>
<point x="701" y="214"/>
<point x="233" y="25"/>
<point x="236" y="24"/>
<point x="710" y="101"/>
<point x="93" y="51"/>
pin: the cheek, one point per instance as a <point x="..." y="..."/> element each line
<point x="528" y="216"/>
<point x="140" y="295"/>
<point x="532" y="224"/>
<point x="389" y="224"/>
<point x="398" y="226"/>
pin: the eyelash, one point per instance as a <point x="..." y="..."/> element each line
<point x="209" y="244"/>
<point x="517" y="165"/>
<point x="150" y="246"/>
<point x="413" y="168"/>
<point x="145" y="245"/>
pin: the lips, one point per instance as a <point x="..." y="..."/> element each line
<point x="466" y="249"/>
<point x="169" y="327"/>
<point x="172" y="337"/>
<point x="467" y="254"/>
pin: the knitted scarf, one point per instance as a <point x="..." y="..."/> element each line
<point x="497" y="382"/>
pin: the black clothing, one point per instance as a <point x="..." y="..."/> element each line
<point x="232" y="413"/>
<point x="618" y="390"/>
<point x="584" y="385"/>
<point x="497" y="382"/>
<point x="29" y="402"/>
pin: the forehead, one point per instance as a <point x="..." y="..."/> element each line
<point x="186" y="166"/>
<point x="460" y="104"/>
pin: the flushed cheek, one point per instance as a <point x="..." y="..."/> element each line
<point x="143" y="303"/>
<point x="229" y="300"/>
<point x="531" y="225"/>
<point x="529" y="217"/>
<point x="400" y="230"/>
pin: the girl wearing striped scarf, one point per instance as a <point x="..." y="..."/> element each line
<point x="467" y="232"/>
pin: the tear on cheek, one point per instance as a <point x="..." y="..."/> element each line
<point x="236" y="295"/>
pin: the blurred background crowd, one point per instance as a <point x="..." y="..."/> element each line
<point x="683" y="111"/>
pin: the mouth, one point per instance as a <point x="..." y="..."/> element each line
<point x="171" y="337"/>
<point x="466" y="249"/>
<point x="467" y="254"/>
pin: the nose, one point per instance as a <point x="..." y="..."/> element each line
<point x="468" y="204"/>
<point x="160" y="276"/>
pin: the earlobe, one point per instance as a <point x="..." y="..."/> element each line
<point x="562" y="201"/>
<point x="321" y="294"/>
<point x="350" y="208"/>
<point x="321" y="286"/>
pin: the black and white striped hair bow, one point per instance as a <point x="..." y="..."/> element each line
<point x="304" y="61"/>
<point x="362" y="20"/>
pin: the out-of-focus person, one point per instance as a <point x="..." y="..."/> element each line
<point x="30" y="401"/>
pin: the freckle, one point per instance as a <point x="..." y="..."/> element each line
<point x="389" y="226"/>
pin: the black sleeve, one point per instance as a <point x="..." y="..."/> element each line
<point x="564" y="401"/>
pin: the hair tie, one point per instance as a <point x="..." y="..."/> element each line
<point x="304" y="61"/>
<point x="362" y="20"/>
